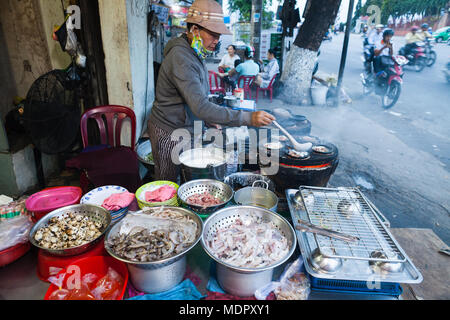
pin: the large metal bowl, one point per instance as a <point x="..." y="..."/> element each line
<point x="95" y="213"/>
<point x="213" y="187"/>
<point x="242" y="281"/>
<point x="162" y="275"/>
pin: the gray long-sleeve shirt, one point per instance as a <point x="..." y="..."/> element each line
<point x="182" y="92"/>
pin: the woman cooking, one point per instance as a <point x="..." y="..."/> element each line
<point x="182" y="89"/>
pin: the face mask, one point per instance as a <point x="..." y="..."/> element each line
<point x="199" y="48"/>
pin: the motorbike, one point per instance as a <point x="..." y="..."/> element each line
<point x="416" y="57"/>
<point x="429" y="53"/>
<point x="387" y="83"/>
<point x="368" y="54"/>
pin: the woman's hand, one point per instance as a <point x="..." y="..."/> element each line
<point x="261" y="119"/>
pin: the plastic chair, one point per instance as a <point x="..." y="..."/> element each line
<point x="248" y="80"/>
<point x="109" y="133"/>
<point x="269" y="88"/>
<point x="218" y="84"/>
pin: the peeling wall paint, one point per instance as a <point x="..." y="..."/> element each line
<point x="141" y="60"/>
<point x="113" y="21"/>
<point x="52" y="14"/>
<point x="25" y="47"/>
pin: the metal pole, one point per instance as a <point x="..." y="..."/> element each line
<point x="345" y="49"/>
<point x="256" y="22"/>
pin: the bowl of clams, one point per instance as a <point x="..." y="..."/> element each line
<point x="71" y="230"/>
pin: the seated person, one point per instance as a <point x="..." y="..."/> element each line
<point x="247" y="68"/>
<point x="383" y="48"/>
<point x="411" y="39"/>
<point x="270" y="70"/>
<point x="228" y="60"/>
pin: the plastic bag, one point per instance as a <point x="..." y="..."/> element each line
<point x="108" y="287"/>
<point x="14" y="231"/>
<point x="293" y="284"/>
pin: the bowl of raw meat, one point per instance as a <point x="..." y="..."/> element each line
<point x="247" y="243"/>
<point x="205" y="196"/>
<point x="157" y="194"/>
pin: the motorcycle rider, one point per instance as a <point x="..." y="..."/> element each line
<point x="376" y="34"/>
<point x="411" y="39"/>
<point x="383" y="47"/>
<point x="425" y="33"/>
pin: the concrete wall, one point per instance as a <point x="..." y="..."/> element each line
<point x="141" y="60"/>
<point x="113" y="21"/>
<point x="52" y="14"/>
<point x="23" y="48"/>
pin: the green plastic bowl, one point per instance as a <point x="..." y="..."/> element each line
<point x="146" y="187"/>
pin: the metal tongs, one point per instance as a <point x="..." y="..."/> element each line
<point x="305" y="226"/>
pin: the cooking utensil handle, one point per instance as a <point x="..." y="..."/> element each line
<point x="328" y="233"/>
<point x="287" y="134"/>
<point x="262" y="181"/>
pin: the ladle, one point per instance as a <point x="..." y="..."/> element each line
<point x="302" y="147"/>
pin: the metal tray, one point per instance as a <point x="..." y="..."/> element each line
<point x="352" y="269"/>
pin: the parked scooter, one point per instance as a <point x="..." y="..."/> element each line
<point x="416" y="56"/>
<point x="387" y="83"/>
<point x="429" y="53"/>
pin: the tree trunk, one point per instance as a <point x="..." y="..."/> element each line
<point x="300" y="62"/>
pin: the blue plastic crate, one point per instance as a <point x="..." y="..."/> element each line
<point x="355" y="287"/>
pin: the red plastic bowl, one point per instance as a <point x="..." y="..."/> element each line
<point x="50" y="199"/>
<point x="98" y="266"/>
<point x="12" y="254"/>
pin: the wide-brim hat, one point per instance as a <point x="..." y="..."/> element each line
<point x="209" y="15"/>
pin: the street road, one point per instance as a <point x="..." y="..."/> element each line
<point x="399" y="157"/>
<point x="421" y="117"/>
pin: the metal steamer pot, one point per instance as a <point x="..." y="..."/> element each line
<point x="241" y="281"/>
<point x="158" y="276"/>
<point x="257" y="196"/>
<point x="216" y="169"/>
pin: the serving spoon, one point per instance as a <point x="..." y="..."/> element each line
<point x="301" y="147"/>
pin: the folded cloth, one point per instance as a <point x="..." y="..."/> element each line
<point x="160" y="195"/>
<point x="184" y="291"/>
<point x="118" y="201"/>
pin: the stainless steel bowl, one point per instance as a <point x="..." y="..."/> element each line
<point x="242" y="281"/>
<point x="162" y="275"/>
<point x="95" y="213"/>
<point x="215" y="188"/>
<point x="257" y="196"/>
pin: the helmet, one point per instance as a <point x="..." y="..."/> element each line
<point x="425" y="26"/>
<point x="249" y="52"/>
<point x="388" y="32"/>
<point x="415" y="28"/>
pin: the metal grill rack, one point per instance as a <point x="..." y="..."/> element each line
<point x="346" y="210"/>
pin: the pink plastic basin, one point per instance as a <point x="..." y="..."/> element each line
<point x="50" y="199"/>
